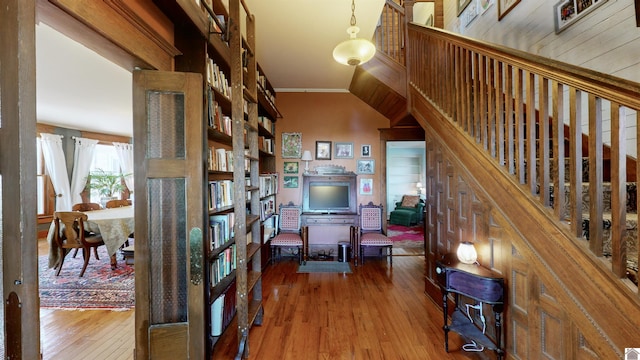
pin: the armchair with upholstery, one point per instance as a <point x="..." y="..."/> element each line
<point x="408" y="211"/>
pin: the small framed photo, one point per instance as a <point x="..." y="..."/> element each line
<point x="290" y="181"/>
<point x="366" y="186"/>
<point x="290" y="167"/>
<point x="504" y="6"/>
<point x="366" y="166"/>
<point x="344" y="150"/>
<point x="462" y="4"/>
<point x="323" y="150"/>
<point x="291" y="145"/>
<point x="365" y="151"/>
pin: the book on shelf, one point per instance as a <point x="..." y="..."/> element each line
<point x="221" y="229"/>
<point x="267" y="207"/>
<point x="224" y="265"/>
<point x="217" y="313"/>
<point x="220" y="194"/>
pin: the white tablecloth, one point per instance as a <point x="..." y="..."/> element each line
<point x="114" y="225"/>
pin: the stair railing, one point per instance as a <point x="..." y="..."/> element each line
<point x="506" y="100"/>
<point x="389" y="34"/>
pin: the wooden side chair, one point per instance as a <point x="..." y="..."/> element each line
<point x="371" y="233"/>
<point x="289" y="234"/>
<point x="69" y="234"/>
<point x="117" y="203"/>
<point x="86" y="207"/>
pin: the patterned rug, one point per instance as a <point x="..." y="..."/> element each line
<point x="325" y="267"/>
<point x="99" y="288"/>
<point x="403" y="236"/>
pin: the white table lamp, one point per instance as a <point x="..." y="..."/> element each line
<point x="306" y="157"/>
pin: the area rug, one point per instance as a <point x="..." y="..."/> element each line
<point x="325" y="267"/>
<point x="403" y="236"/>
<point x="99" y="288"/>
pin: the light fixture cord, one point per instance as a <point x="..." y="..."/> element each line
<point x="353" y="12"/>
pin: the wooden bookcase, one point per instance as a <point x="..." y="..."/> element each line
<point x="238" y="149"/>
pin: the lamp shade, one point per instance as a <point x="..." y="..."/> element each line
<point x="306" y="156"/>
<point x="467" y="253"/>
<point x="354" y="51"/>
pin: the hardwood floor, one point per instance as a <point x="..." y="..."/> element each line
<point x="373" y="313"/>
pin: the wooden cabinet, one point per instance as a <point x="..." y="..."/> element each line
<point x="484" y="289"/>
<point x="237" y="147"/>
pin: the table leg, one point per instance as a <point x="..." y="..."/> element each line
<point x="114" y="262"/>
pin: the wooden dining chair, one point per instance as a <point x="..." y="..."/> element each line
<point x="117" y="203"/>
<point x="69" y="234"/>
<point x="86" y="207"/>
<point x="371" y="233"/>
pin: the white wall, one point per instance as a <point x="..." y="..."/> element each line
<point x="605" y="40"/>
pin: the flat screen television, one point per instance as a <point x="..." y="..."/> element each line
<point x="329" y="195"/>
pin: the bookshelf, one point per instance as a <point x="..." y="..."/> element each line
<point x="238" y="152"/>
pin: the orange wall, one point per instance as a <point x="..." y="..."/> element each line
<point x="335" y="117"/>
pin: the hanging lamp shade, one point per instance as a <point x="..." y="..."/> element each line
<point x="354" y="51"/>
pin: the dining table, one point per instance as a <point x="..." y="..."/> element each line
<point x="114" y="225"/>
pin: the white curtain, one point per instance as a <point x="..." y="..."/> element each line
<point x="57" y="168"/>
<point x="125" y="154"/>
<point x="82" y="158"/>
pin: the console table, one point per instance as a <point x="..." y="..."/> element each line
<point x="479" y="284"/>
<point x="316" y="219"/>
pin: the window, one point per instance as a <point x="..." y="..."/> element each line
<point x="104" y="158"/>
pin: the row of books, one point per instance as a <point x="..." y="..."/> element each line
<point x="267" y="207"/>
<point x="219" y="159"/>
<point x="267" y="123"/>
<point x="268" y="184"/>
<point x="216" y="119"/>
<point x="220" y="229"/>
<point x="217" y="79"/>
<point x="223" y="265"/>
<point x="265" y="144"/>
<point x="220" y="194"/>
<point x="223" y="309"/>
<point x="262" y="81"/>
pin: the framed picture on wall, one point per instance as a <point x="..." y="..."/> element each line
<point x="290" y="167"/>
<point x="504" y="6"/>
<point x="291" y="145"/>
<point x="566" y="12"/>
<point x="290" y="182"/>
<point x="366" y="186"/>
<point x="344" y="150"/>
<point x="365" y="151"/>
<point x="462" y="4"/>
<point x="323" y="150"/>
<point x="366" y="166"/>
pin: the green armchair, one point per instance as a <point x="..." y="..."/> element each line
<point x="408" y="211"/>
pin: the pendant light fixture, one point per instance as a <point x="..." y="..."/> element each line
<point x="355" y="51"/>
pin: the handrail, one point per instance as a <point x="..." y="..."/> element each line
<point x="506" y="100"/>
<point x="389" y="34"/>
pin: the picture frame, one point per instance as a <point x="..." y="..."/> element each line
<point x="366" y="166"/>
<point x="504" y="6"/>
<point x="290" y="182"/>
<point x="471" y="14"/>
<point x="365" y="150"/>
<point x="344" y="150"/>
<point x="323" y="150"/>
<point x="366" y="187"/>
<point x="291" y="145"/>
<point x="484" y="5"/>
<point x="567" y="12"/>
<point x="291" y="167"/>
<point x="462" y="4"/>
